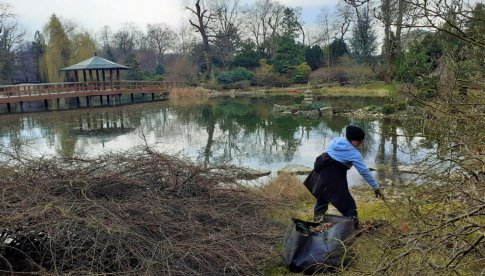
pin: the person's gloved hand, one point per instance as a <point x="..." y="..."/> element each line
<point x="379" y="193"/>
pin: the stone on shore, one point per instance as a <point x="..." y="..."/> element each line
<point x="295" y="169"/>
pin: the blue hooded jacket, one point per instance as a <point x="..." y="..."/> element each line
<point x="341" y="150"/>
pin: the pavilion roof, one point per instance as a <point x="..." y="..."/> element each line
<point x="95" y="63"/>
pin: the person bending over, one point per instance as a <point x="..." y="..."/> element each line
<point x="328" y="180"/>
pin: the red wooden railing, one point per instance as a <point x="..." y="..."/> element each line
<point x="39" y="91"/>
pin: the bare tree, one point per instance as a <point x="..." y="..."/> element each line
<point x="275" y="21"/>
<point x="127" y="38"/>
<point x="447" y="16"/>
<point x="227" y="28"/>
<point x="343" y="20"/>
<point x="263" y="23"/>
<point x="202" y="20"/>
<point x="104" y="37"/>
<point x="10" y="42"/>
<point x="161" y="38"/>
<point x="185" y="38"/>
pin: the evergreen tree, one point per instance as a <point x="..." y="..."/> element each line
<point x="364" y="38"/>
<point x="336" y="49"/>
<point x="134" y="73"/>
<point x="38" y="49"/>
<point x="301" y="73"/>
<point x="288" y="54"/>
<point x="291" y="26"/>
<point x="247" y="56"/>
<point x="314" y="57"/>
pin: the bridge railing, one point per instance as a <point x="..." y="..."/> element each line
<point x="39" y="89"/>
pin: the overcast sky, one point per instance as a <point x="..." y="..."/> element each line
<point x="93" y="14"/>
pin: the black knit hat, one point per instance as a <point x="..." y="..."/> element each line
<point x="354" y="133"/>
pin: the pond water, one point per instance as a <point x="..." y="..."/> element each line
<point x="243" y="132"/>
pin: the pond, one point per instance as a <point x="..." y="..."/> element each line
<point x="241" y="131"/>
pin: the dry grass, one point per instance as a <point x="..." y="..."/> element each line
<point x="287" y="187"/>
<point x="188" y="92"/>
<point x="188" y="96"/>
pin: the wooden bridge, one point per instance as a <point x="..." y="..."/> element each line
<point x="21" y="93"/>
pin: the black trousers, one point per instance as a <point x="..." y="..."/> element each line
<point x="339" y="197"/>
<point x="328" y="183"/>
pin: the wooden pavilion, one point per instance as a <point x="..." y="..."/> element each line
<point x="98" y="65"/>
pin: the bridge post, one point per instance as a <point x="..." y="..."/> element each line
<point x="21" y="106"/>
<point x="46" y="104"/>
<point x="78" y="101"/>
<point x="107" y="98"/>
<point x="58" y="103"/>
<point x="153" y="96"/>
<point x="9" y="108"/>
<point x="101" y="99"/>
<point x="87" y="101"/>
<point x="132" y="98"/>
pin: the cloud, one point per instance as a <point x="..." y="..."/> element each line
<point x="93" y="14"/>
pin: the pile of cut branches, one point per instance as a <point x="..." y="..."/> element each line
<point x="132" y="212"/>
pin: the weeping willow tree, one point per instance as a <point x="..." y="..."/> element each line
<point x="82" y="47"/>
<point x="65" y="47"/>
<point x="58" y="51"/>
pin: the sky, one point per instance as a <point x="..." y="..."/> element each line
<point x="91" y="15"/>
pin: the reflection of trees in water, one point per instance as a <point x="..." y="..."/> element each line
<point x="388" y="130"/>
<point x="237" y="129"/>
<point x="62" y="130"/>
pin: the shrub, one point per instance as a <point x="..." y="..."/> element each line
<point x="301" y="73"/>
<point x="401" y="106"/>
<point x="388" y="108"/>
<point x="236" y="75"/>
<point x="237" y="85"/>
<point x="371" y="108"/>
<point x="265" y="75"/>
<point x="160" y="69"/>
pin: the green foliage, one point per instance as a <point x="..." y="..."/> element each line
<point x="307" y="107"/>
<point x="291" y="26"/>
<point x="134" y="73"/>
<point x="38" y="49"/>
<point x="372" y="108"/>
<point x="335" y="50"/>
<point x="421" y="59"/>
<point x="401" y="106"/>
<point x="314" y="57"/>
<point x="235" y="75"/>
<point x="380" y="85"/>
<point x="388" y="109"/>
<point x="247" y="56"/>
<point x="427" y="86"/>
<point x="288" y="54"/>
<point x="149" y="76"/>
<point x="265" y="75"/>
<point x="160" y="69"/>
<point x="364" y="38"/>
<point x="301" y="73"/>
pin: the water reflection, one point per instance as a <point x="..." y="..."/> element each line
<point x="242" y="132"/>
